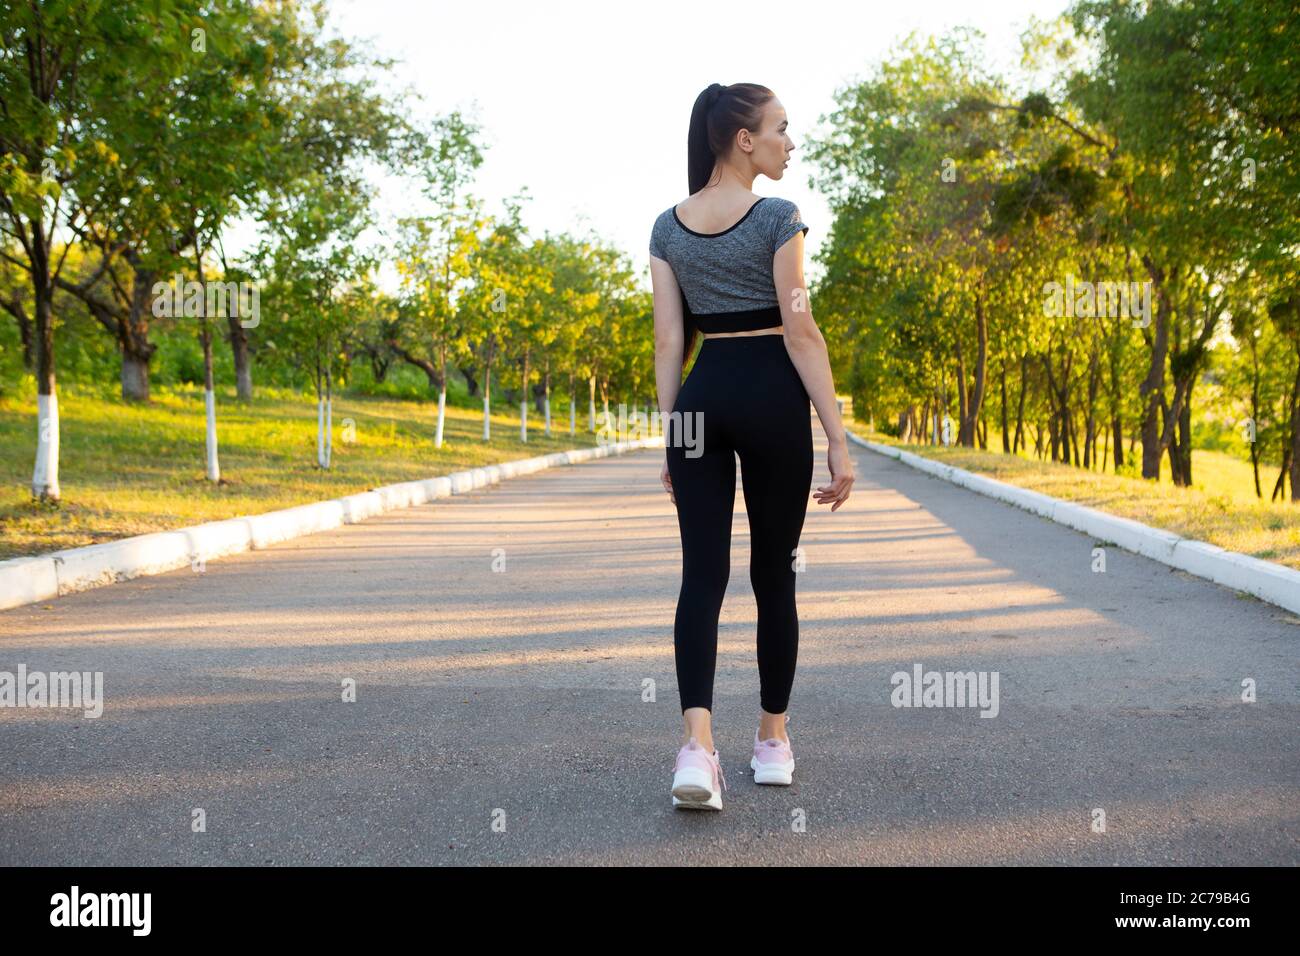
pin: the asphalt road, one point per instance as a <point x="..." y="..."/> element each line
<point x="516" y="701"/>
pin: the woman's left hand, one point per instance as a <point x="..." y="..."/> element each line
<point x="841" y="466"/>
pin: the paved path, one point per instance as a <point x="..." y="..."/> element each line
<point x="515" y="696"/>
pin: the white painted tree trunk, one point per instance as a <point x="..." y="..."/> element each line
<point x="329" y="430"/>
<point x="547" y="403"/>
<point x="320" y="431"/>
<point x="523" y="419"/>
<point x="45" y="476"/>
<point x="210" y="403"/>
<point x="591" y="404"/>
<point x="573" y="415"/>
<point x="442" y="413"/>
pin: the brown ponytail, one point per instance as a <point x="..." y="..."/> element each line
<point x="718" y="114"/>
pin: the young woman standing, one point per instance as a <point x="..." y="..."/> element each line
<point x="728" y="265"/>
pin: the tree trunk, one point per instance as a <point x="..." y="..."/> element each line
<point x="209" y="389"/>
<point x="1183" y="447"/>
<point x="329" y="416"/>
<point x="573" y="405"/>
<point x="209" y="404"/>
<point x="45" y="476"/>
<point x="133" y="337"/>
<point x="543" y="393"/>
<point x="1116" y="415"/>
<point x="324" y="414"/>
<point x="442" y="395"/>
<point x="1090" y="414"/>
<point x="1152" y="388"/>
<point x="1073" y="432"/>
<point x="135" y="377"/>
<point x="1006" y="425"/>
<point x="431" y="371"/>
<point x="1053" y="405"/>
<point x="1019" y="441"/>
<point x="243" y="359"/>
<point x="523" y="399"/>
<point x="1294" y="450"/>
<point x="487" y="402"/>
<point x="470" y="374"/>
<point x="1254" y="416"/>
<point x="975" y="406"/>
<point x="962" y="418"/>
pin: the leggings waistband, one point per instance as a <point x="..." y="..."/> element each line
<point x="747" y="320"/>
<point x="773" y="343"/>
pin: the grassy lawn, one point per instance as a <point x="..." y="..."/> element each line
<point x="1220" y="507"/>
<point x="129" y="469"/>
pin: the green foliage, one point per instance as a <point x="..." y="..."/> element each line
<point x="1138" y="155"/>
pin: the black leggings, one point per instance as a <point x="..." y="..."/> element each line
<point x="747" y="395"/>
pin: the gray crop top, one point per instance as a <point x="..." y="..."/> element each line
<point x="724" y="273"/>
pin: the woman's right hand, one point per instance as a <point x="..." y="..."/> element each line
<point x="667" y="479"/>
<point x="841" y="467"/>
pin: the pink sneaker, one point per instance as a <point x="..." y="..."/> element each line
<point x="773" y="760"/>
<point x="697" y="778"/>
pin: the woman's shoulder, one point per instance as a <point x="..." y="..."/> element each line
<point x="665" y="218"/>
<point x="660" y="233"/>
<point x="778" y="207"/>
<point x="780" y="221"/>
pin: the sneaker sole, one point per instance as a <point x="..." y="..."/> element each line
<point x="713" y="803"/>
<point x="781" y="774"/>
<point x="692" y="791"/>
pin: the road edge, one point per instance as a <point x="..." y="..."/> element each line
<point x="44" y="577"/>
<point x="1267" y="580"/>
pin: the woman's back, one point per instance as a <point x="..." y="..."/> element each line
<point x="731" y="270"/>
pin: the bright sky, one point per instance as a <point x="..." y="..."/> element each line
<point x="587" y="103"/>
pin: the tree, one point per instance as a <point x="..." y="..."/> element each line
<point x="319" y="277"/>
<point x="434" y="258"/>
<point x="54" y="76"/>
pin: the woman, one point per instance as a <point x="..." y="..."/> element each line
<point x="729" y="265"/>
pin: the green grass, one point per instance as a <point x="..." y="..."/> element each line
<point x="130" y="469"/>
<point x="1220" y="507"/>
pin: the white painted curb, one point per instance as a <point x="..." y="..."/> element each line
<point x="1267" y="580"/>
<point x="46" y="576"/>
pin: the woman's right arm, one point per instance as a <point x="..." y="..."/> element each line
<point x="670" y="343"/>
<point x="670" y="333"/>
